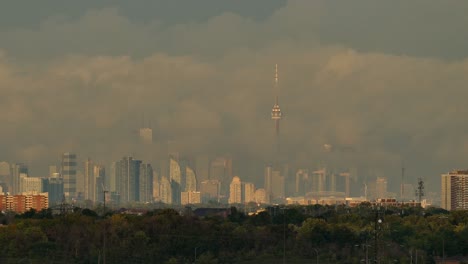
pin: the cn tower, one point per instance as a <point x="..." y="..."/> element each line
<point x="276" y="111"/>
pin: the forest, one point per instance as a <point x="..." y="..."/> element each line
<point x="287" y="234"/>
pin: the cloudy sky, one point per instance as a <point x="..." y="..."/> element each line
<point x="386" y="79"/>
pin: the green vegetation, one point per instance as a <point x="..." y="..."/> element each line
<point x="306" y="233"/>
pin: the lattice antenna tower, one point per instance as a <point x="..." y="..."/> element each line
<point x="420" y="190"/>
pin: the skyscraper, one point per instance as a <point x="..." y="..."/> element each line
<point x="146" y="183"/>
<point x="69" y="175"/>
<point x="54" y="187"/>
<point x="202" y="168"/>
<point x="319" y="178"/>
<point x="381" y="187"/>
<point x="127" y="172"/>
<point x="277" y="185"/>
<point x="303" y="183"/>
<point x="190" y="180"/>
<point x="165" y="190"/>
<point x="99" y="179"/>
<point x="235" y="191"/>
<point x="16" y="170"/>
<point x="146" y="136"/>
<point x="454" y="193"/>
<point x="31" y="185"/>
<point x="5" y="174"/>
<point x="175" y="180"/>
<point x="249" y="192"/>
<point x="210" y="190"/>
<point x="89" y="181"/>
<point x="221" y="170"/>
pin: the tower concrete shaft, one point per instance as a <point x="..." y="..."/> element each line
<point x="276" y="111"/>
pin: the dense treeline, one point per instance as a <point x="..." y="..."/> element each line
<point x="297" y="234"/>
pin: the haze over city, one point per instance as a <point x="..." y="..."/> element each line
<point x="380" y="82"/>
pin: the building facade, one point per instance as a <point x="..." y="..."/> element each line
<point x="146" y="183"/>
<point x="21" y="203"/>
<point x="127" y="172"/>
<point x="454" y="193"/>
<point x="235" y="191"/>
<point x="69" y="175"/>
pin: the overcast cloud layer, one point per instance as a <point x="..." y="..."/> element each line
<point x="385" y="79"/>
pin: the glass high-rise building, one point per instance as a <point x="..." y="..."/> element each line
<point x="146" y="183"/>
<point x="99" y="173"/>
<point x="54" y="186"/>
<point x="89" y="182"/>
<point x="17" y="170"/>
<point x="175" y="180"/>
<point x="69" y="175"/>
<point x="127" y="172"/>
<point x="190" y="180"/>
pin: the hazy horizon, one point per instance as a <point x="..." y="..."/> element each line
<point x="386" y="80"/>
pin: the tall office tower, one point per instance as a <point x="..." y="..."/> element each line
<point x="454" y="193"/>
<point x="99" y="187"/>
<point x="54" y="187"/>
<point x="190" y="180"/>
<point x="156" y="186"/>
<point x="235" y="191"/>
<point x="4" y="168"/>
<point x="5" y="173"/>
<point x="249" y="192"/>
<point x="202" y="168"/>
<point x="276" y="112"/>
<point x="303" y="182"/>
<point x="332" y="182"/>
<point x="127" y="171"/>
<point x="176" y="180"/>
<point x="319" y="178"/>
<point x="221" y="170"/>
<point x="89" y="180"/>
<point x="165" y="190"/>
<point x="16" y="170"/>
<point x="345" y="180"/>
<point x="69" y="175"/>
<point x="114" y="184"/>
<point x="381" y="187"/>
<point x="146" y="136"/>
<point x="277" y="185"/>
<point x="261" y="197"/>
<point x="210" y="190"/>
<point x="146" y="183"/>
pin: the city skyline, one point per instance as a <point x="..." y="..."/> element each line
<point x="359" y="88"/>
